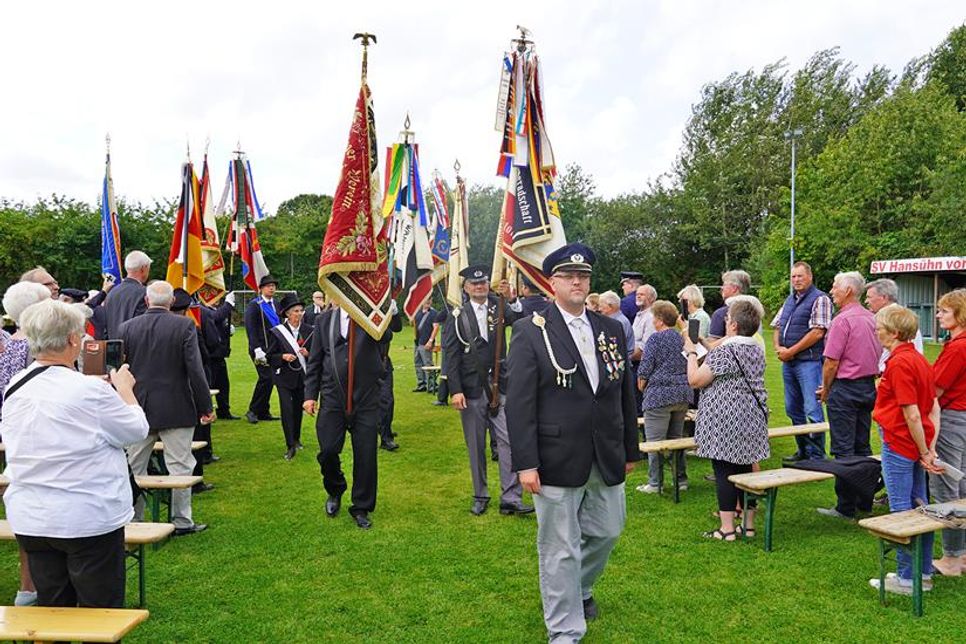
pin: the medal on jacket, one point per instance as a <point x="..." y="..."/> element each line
<point x="565" y="377"/>
<point x="613" y="360"/>
<point x="456" y="325"/>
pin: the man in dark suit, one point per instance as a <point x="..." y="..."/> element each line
<point x="573" y="438"/>
<point x="289" y="344"/>
<point x="531" y="298"/>
<point x="317" y="307"/>
<point x="473" y="350"/>
<point x="630" y="281"/>
<point x="328" y="374"/>
<point x="261" y="315"/>
<point x="126" y="300"/>
<point x="162" y="349"/>
<point x="216" y="328"/>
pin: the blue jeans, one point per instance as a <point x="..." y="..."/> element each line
<point x="906" y="483"/>
<point x="802" y="378"/>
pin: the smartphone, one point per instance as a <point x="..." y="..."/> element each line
<point x="100" y="356"/>
<point x="684" y="309"/>
<point x="694" y="326"/>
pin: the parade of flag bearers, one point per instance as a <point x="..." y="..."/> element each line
<point x="409" y="403"/>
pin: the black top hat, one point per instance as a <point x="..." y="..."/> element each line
<point x="265" y="281"/>
<point x="476" y="273"/>
<point x="290" y="300"/>
<point x="572" y="257"/>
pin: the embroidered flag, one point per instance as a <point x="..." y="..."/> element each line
<point x="353" y="264"/>
<point x="185" y="268"/>
<point x="110" y="232"/>
<point x="459" y="243"/>
<point x="214" y="265"/>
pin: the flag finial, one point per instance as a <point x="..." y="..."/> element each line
<point x="457" y="166"/>
<point x="523" y="41"/>
<point x="107" y="142"/>
<point x="207" y="144"/>
<point x="366" y="37"/>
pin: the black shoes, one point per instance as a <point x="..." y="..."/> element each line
<point x="290" y="454"/>
<point x="479" y="506"/>
<point x="226" y="416"/>
<point x="251" y="417"/>
<point x="332" y="505"/>
<point x="515" y="508"/>
<point x="211" y="459"/>
<point x="362" y="520"/>
<point x="794" y="458"/>
<point x="269" y="417"/>
<point x="197" y="527"/>
<point x="198" y="488"/>
<point x="389" y="445"/>
<point x="494" y="457"/>
<point x="439" y="403"/>
<point x="590" y="609"/>
<point x="298" y="445"/>
<point x="419" y="388"/>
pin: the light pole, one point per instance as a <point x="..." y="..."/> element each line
<point x="793" y="136"/>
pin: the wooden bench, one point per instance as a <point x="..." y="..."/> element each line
<point x="137" y="535"/>
<point x="159" y="489"/>
<point x="42" y="624"/>
<point x="668" y="448"/>
<point x="764" y="485"/>
<point x="432" y="372"/>
<point x="903" y="530"/>
<point x="157" y="455"/>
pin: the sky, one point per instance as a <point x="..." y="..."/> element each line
<point x="281" y="79"/>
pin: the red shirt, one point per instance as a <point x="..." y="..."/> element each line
<point x="950" y="373"/>
<point x="907" y="380"/>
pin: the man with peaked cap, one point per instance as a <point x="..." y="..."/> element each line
<point x="573" y="438"/>
<point x="261" y="315"/>
<point x="471" y="354"/>
<point x="328" y="373"/>
<point x="630" y="280"/>
<point x="531" y="298"/>
<point x="289" y="344"/>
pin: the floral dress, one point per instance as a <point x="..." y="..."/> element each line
<point x="14" y="357"/>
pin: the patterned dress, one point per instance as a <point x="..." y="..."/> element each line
<point x="731" y="426"/>
<point x="14" y="357"/>
<point x="665" y="369"/>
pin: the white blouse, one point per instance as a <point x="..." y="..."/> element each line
<point x="64" y="434"/>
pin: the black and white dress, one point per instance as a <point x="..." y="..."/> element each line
<point x="731" y="426"/>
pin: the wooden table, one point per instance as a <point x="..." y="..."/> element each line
<point x="764" y="485"/>
<point x="157" y="463"/>
<point x="159" y="489"/>
<point x="903" y="530"/>
<point x="42" y="624"/>
<point x="135" y="534"/>
<point x="671" y="446"/>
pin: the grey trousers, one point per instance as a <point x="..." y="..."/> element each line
<point x="422" y="357"/>
<point x="951" y="448"/>
<point x="660" y="424"/>
<point x="475" y="419"/>
<point x="180" y="462"/>
<point x="577" y="527"/>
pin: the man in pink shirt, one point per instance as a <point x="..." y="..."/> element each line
<point x="851" y="353"/>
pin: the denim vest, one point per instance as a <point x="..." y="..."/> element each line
<point x="794" y="323"/>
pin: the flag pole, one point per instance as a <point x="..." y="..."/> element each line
<point x="185" y="185"/>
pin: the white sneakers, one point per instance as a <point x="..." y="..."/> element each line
<point x="647" y="488"/>
<point x="25" y="598"/>
<point x="893" y="585"/>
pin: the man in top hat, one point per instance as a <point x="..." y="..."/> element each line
<point x="474" y="348"/>
<point x="630" y="280"/>
<point x="573" y="438"/>
<point x="289" y="344"/>
<point x="261" y="315"/>
<point x="328" y="374"/>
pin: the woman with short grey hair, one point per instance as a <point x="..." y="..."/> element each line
<point x="69" y="496"/>
<point x="695" y="299"/>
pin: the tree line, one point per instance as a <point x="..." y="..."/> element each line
<point x="881" y="173"/>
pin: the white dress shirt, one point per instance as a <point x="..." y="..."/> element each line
<point x="583" y="335"/>
<point x="481" y="311"/>
<point x="643" y="327"/>
<point x="64" y="434"/>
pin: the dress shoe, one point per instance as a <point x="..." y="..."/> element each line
<point x="590" y="609"/>
<point x="479" y="506"/>
<point x="332" y="505"/>
<point x="269" y="417"/>
<point x="794" y="458"/>
<point x="211" y="459"/>
<point x="362" y="520"/>
<point x="515" y="508"/>
<point x="227" y="416"/>
<point x="290" y="454"/>
<point x="835" y="514"/>
<point x="197" y="527"/>
<point x="198" y="488"/>
<point x="389" y="445"/>
<point x="494" y="457"/>
<point x="298" y="445"/>
<point x="440" y="403"/>
<point x="419" y="388"/>
<point x="251" y="417"/>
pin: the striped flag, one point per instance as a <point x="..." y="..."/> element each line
<point x="185" y="266"/>
<point x="242" y="237"/>
<point x="110" y="232"/>
<point x="214" y="265"/>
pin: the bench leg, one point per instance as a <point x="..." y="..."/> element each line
<point x="674" y="475"/>
<point x="770" y="499"/>
<point x="660" y="473"/>
<point x="883" y="552"/>
<point x="917" y="575"/>
<point x="167" y="500"/>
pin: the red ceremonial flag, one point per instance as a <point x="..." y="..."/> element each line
<point x="353" y="268"/>
<point x="185" y="266"/>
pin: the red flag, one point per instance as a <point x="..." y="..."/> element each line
<point x="185" y="267"/>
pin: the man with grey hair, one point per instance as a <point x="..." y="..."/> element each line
<point x="879" y="294"/>
<point x="610" y="305"/>
<point x="39" y="275"/>
<point x="162" y="351"/>
<point x="126" y="300"/>
<point x="851" y="354"/>
<point x="732" y="283"/>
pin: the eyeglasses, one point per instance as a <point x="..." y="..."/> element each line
<point x="569" y="277"/>
<point x="50" y="283"/>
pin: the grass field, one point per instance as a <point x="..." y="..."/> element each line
<point x="273" y="567"/>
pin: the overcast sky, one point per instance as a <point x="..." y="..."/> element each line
<point x="282" y="77"/>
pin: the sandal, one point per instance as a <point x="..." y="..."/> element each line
<point x="719" y="535"/>
<point x="749" y="533"/>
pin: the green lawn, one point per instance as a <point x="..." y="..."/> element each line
<point x="273" y="567"/>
